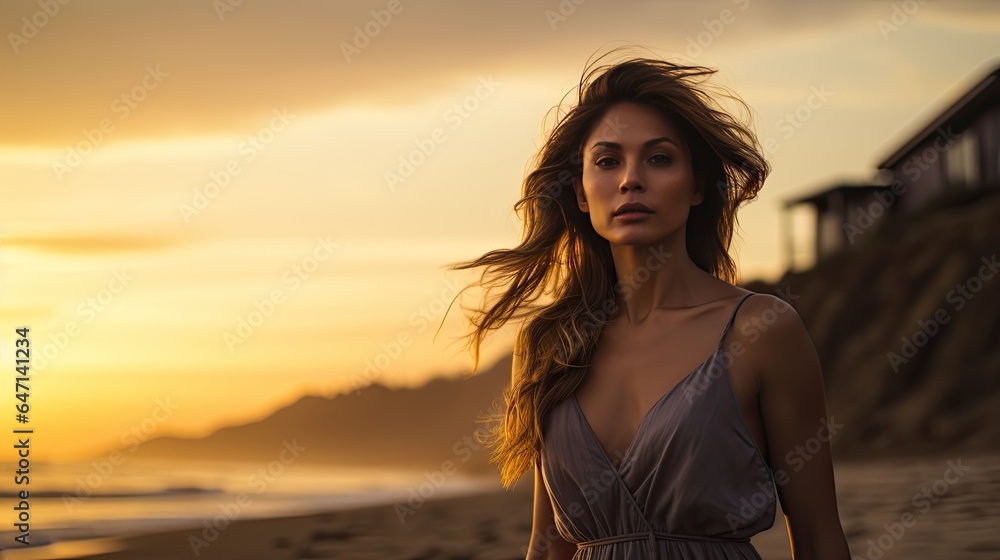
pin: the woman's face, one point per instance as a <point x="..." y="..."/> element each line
<point x="635" y="155"/>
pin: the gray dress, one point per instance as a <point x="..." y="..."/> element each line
<point x="692" y="483"/>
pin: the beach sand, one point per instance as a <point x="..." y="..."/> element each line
<point x="945" y="506"/>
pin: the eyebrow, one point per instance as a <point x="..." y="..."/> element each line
<point x="644" y="144"/>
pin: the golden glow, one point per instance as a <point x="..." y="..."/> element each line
<point x="235" y="239"/>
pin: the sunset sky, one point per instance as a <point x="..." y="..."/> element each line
<point x="173" y="171"/>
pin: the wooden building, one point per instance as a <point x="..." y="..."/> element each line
<point x="957" y="149"/>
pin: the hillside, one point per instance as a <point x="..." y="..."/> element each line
<point x="912" y="365"/>
<point x="407" y="428"/>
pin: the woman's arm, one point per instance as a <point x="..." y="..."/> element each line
<point x="798" y="432"/>
<point x="545" y="542"/>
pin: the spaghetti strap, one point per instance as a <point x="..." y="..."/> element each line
<point x="722" y="339"/>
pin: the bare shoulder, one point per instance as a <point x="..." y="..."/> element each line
<point x="774" y="336"/>
<point x="768" y="327"/>
<point x="761" y="313"/>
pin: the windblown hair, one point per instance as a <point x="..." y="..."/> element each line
<point x="562" y="257"/>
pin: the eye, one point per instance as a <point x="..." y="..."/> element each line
<point x="663" y="158"/>
<point x="599" y="161"/>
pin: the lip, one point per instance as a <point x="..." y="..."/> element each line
<point x="631" y="216"/>
<point x="633" y="208"/>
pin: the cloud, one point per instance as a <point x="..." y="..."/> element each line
<point x="226" y="71"/>
<point x="85" y="244"/>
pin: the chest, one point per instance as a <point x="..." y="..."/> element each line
<point x="622" y="387"/>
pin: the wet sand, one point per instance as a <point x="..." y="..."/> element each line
<point x="945" y="506"/>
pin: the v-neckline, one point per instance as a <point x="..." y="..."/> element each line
<point x="645" y="418"/>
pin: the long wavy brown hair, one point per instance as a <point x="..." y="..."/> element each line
<point x="560" y="280"/>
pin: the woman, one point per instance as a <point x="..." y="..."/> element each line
<point x="642" y="446"/>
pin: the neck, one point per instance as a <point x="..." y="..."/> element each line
<point x="657" y="276"/>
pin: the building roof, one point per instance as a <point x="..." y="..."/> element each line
<point x="819" y="198"/>
<point x="979" y="99"/>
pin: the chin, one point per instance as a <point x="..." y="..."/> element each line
<point x="633" y="240"/>
<point x="638" y="237"/>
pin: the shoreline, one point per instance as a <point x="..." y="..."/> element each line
<point x="300" y="531"/>
<point x="955" y="515"/>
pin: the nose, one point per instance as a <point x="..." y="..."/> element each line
<point x="631" y="179"/>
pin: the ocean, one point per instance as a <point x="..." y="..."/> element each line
<point x="78" y="509"/>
